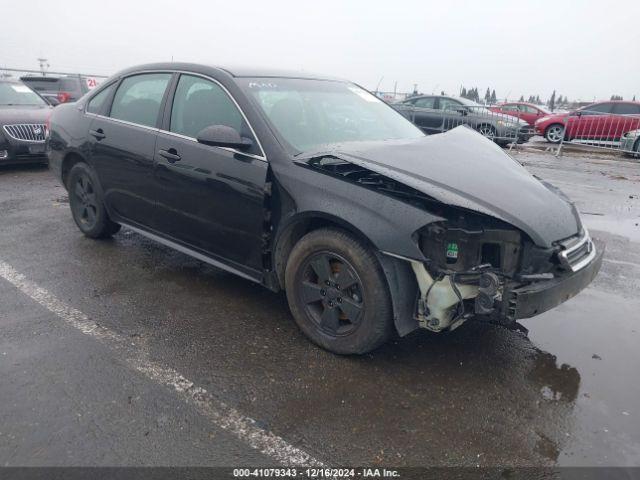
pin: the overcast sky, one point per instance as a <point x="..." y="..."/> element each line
<point x="583" y="49"/>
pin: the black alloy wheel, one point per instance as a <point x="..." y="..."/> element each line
<point x="87" y="206"/>
<point x="332" y="293"/>
<point x="338" y="293"/>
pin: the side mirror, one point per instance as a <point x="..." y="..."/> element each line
<point x="462" y="111"/>
<point x="223" y="136"/>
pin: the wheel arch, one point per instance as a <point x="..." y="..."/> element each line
<point x="69" y="160"/>
<point x="298" y="226"/>
<point x="400" y="279"/>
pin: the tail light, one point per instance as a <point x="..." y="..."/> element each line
<point x="64" y="97"/>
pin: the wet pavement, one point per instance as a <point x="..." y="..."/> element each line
<point x="567" y="394"/>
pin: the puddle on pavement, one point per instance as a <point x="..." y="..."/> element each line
<point x="594" y="361"/>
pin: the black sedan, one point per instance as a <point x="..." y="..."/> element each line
<point x="23" y="114"/>
<point x="315" y="186"/>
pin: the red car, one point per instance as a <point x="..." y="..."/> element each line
<point x="602" y="121"/>
<point x="524" y="111"/>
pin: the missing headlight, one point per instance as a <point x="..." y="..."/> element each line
<point x="461" y="246"/>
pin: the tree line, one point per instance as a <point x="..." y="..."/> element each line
<point x="552" y="102"/>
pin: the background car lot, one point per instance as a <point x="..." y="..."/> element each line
<point x="480" y="395"/>
<point x="60" y="88"/>
<point x="438" y="113"/>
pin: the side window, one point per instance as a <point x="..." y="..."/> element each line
<point x="528" y="109"/>
<point x="426" y="102"/>
<point x="449" y="104"/>
<point x="200" y="103"/>
<point x="627" y="109"/>
<point x="509" y="108"/>
<point x="138" y="98"/>
<point x="598" y="109"/>
<point x="96" y="104"/>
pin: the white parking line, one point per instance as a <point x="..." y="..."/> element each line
<point x="222" y="415"/>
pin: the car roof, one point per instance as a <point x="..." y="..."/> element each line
<point x="615" y="101"/>
<point x="233" y="71"/>
<point x="518" y="103"/>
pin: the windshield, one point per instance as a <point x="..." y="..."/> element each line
<point x="309" y="114"/>
<point x="18" y="94"/>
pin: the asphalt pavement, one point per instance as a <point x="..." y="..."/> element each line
<point x="124" y="352"/>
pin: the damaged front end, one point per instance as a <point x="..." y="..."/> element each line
<point x="484" y="269"/>
<point x="472" y="264"/>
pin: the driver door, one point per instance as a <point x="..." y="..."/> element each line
<point x="209" y="199"/>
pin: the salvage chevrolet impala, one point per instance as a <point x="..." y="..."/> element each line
<point x="314" y="186"/>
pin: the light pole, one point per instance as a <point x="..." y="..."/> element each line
<point x="44" y="64"/>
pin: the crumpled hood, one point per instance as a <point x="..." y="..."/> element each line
<point x="462" y="168"/>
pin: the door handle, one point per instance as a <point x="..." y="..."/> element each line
<point x="171" y="155"/>
<point x="99" y="134"/>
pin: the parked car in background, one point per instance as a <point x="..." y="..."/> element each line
<point x="630" y="143"/>
<point x="437" y="114"/>
<point x="314" y="186"/>
<point x="61" y="89"/>
<point x="601" y="121"/>
<point x="23" y="114"/>
<point x="524" y="111"/>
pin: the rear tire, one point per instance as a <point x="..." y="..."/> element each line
<point x="87" y="205"/>
<point x="337" y="292"/>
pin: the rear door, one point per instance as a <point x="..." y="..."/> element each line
<point x="123" y="143"/>
<point x="210" y="199"/>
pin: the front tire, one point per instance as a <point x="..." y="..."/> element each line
<point x="554" y="133"/>
<point x="87" y="205"/>
<point x="337" y="292"/>
<point x="487" y="131"/>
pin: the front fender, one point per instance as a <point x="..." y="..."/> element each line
<point x="387" y="223"/>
